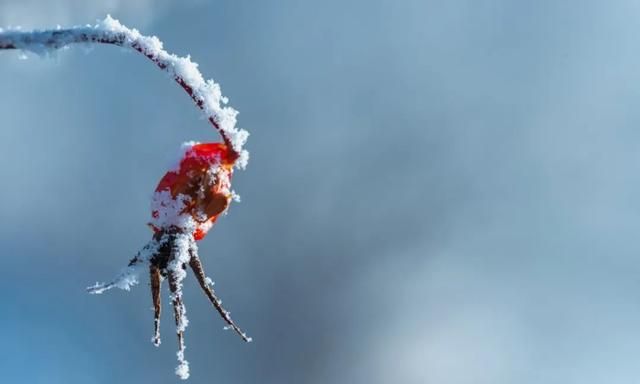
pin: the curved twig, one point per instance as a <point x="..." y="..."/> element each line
<point x="206" y="94"/>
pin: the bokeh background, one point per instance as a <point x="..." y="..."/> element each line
<point x="439" y="192"/>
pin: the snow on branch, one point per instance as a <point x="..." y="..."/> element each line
<point x="205" y="93"/>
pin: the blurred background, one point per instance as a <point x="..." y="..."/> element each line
<point x="439" y="192"/>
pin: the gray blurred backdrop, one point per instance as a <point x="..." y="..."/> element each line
<point x="439" y="192"/>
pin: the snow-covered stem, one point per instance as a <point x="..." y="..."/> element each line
<point x="129" y="276"/>
<point x="206" y="94"/>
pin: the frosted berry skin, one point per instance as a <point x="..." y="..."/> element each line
<point x="196" y="193"/>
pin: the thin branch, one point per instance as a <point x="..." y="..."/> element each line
<point x="205" y="94"/>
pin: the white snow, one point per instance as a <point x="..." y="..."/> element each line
<point x="127" y="279"/>
<point x="182" y="370"/>
<point x="156" y="340"/>
<point x="170" y="211"/>
<point x="181" y="245"/>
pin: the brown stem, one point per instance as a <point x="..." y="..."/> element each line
<point x="154" y="273"/>
<point x="198" y="270"/>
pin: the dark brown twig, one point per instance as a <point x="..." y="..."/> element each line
<point x="156" y="278"/>
<point x="198" y="270"/>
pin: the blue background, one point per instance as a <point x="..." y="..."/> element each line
<point x="439" y="192"/>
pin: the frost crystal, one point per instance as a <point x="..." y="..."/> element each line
<point x="182" y="370"/>
<point x="129" y="276"/>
